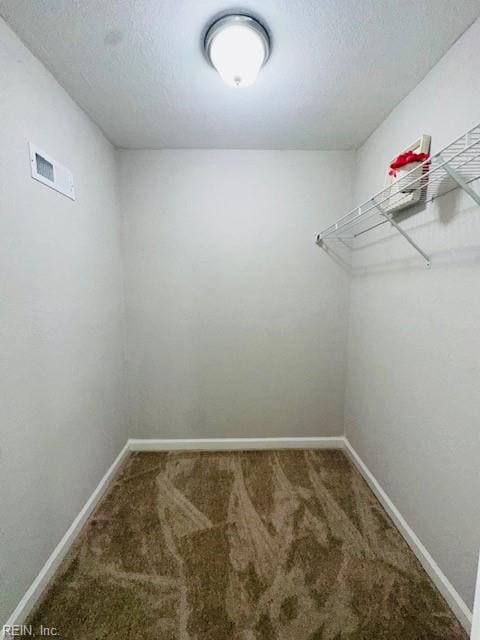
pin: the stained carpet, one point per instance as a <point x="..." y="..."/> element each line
<point x="256" y="545"/>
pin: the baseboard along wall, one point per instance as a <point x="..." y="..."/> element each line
<point x="437" y="576"/>
<point x="46" y="573"/>
<point x="237" y="444"/>
<point x="34" y="592"/>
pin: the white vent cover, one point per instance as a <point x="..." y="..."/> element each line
<point x="50" y="172"/>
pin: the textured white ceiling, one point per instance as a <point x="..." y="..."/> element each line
<point x="337" y="66"/>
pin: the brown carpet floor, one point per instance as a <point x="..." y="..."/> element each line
<point x="252" y="545"/>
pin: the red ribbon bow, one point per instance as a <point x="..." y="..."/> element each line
<point x="406" y="158"/>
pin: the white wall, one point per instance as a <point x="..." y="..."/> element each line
<point x="236" y="319"/>
<point x="61" y="417"/>
<point x="413" y="391"/>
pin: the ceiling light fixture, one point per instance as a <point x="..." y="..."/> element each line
<point x="237" y="46"/>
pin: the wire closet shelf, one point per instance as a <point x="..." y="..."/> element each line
<point x="457" y="165"/>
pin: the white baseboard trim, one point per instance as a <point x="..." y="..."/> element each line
<point x="230" y="444"/>
<point x="442" y="583"/>
<point x="476" y="608"/>
<point x="35" y="590"/>
<point x="28" y="601"/>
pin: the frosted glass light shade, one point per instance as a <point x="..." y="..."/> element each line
<point x="237" y="46"/>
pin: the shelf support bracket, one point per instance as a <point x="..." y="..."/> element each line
<point x="461" y="182"/>
<point x="395" y="224"/>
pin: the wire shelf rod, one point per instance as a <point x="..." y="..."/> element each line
<point x="455" y="166"/>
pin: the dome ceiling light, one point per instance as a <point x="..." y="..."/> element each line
<point x="237" y="46"/>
